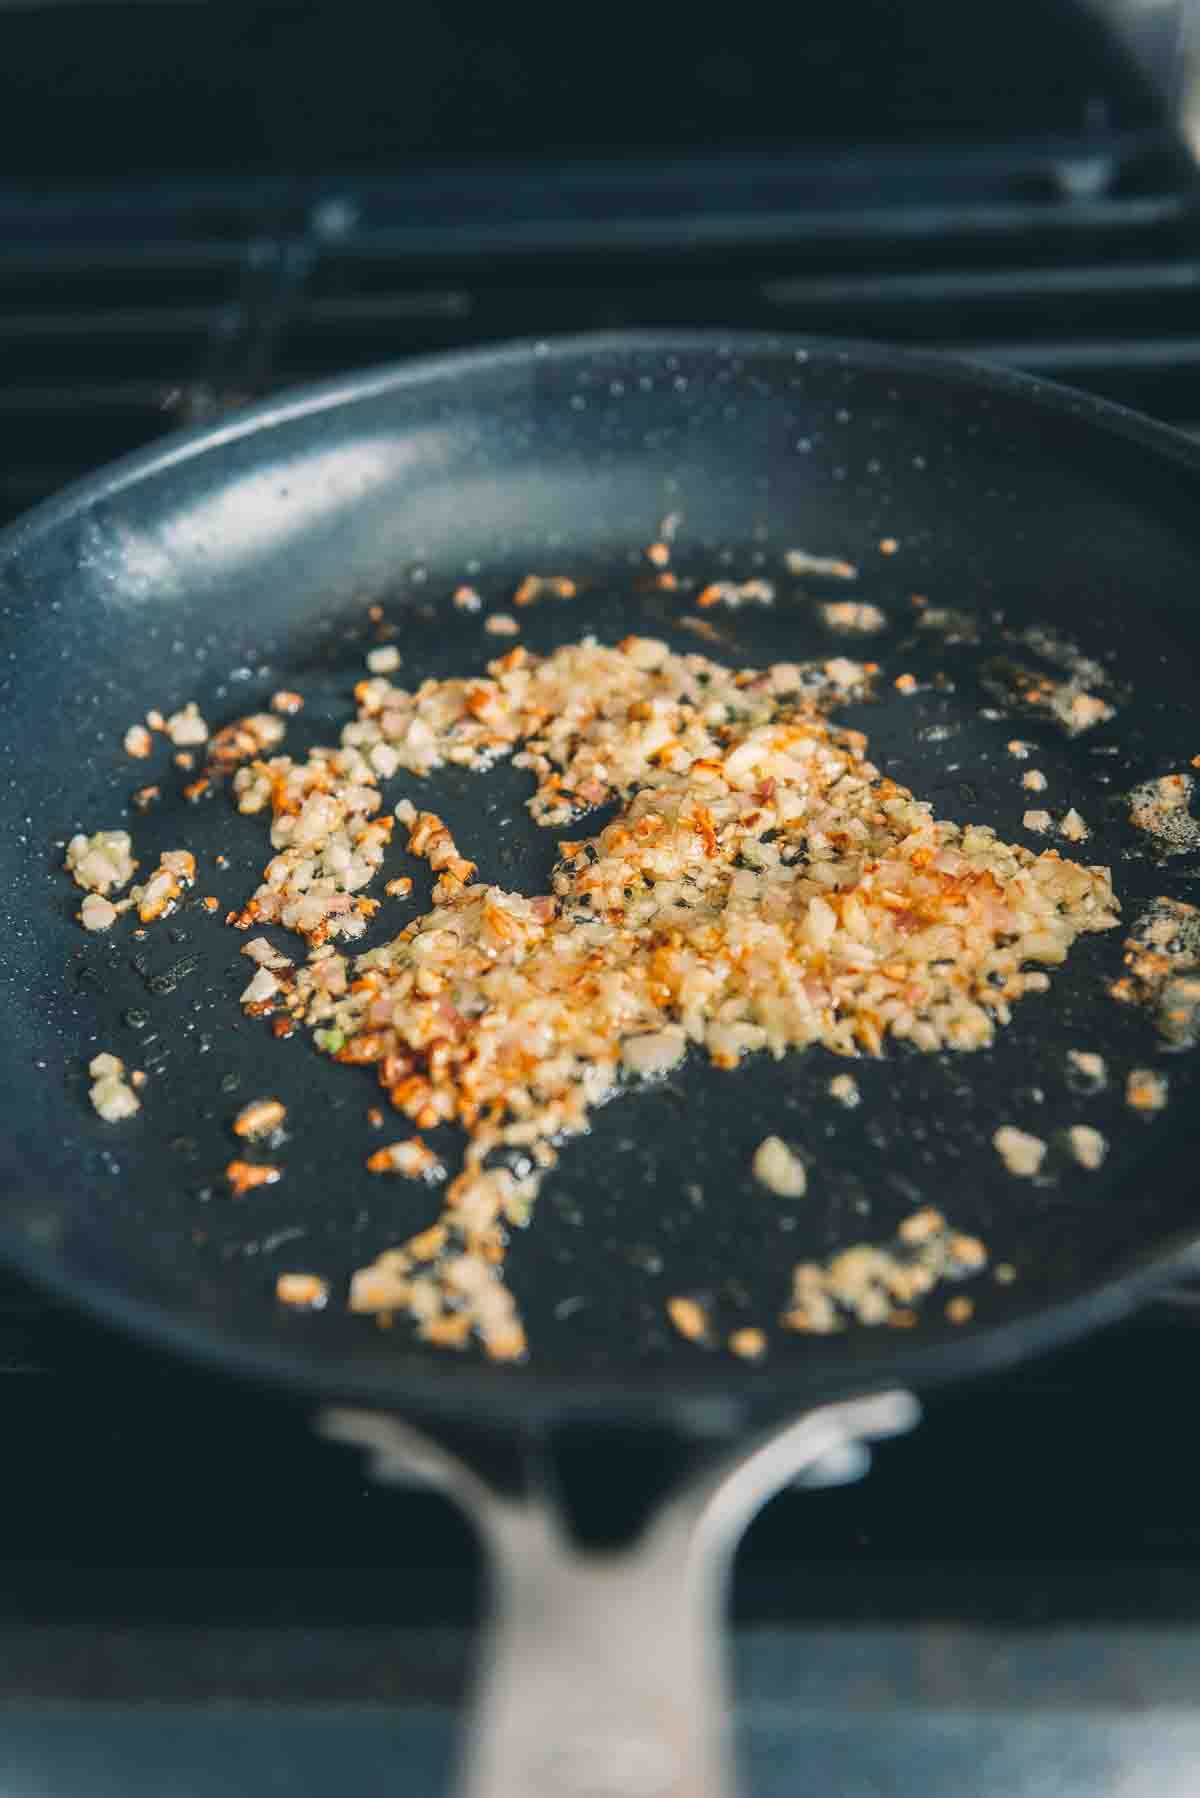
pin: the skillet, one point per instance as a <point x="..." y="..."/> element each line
<point x="226" y="563"/>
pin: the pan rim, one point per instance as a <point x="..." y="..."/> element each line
<point x="713" y="1395"/>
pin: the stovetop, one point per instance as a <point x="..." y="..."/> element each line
<point x="196" y="1596"/>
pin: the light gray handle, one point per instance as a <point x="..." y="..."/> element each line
<point x="602" y="1675"/>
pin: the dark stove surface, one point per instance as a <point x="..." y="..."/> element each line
<point x="191" y="1581"/>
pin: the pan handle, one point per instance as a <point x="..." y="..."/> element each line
<point x="602" y="1674"/>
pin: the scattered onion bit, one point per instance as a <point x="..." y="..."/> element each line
<point x="1088" y="1146"/>
<point x="97" y="913"/>
<point x="242" y="740"/>
<point x="160" y="896"/>
<point x="1161" y="808"/>
<point x="544" y="586"/>
<point x="111" y="1094"/>
<point x="689" y="1318"/>
<point x="779" y="1168"/>
<point x="465" y="599"/>
<point x="501" y="624"/>
<point x="186" y="727"/>
<point x="736" y="593"/>
<point x="138" y="742"/>
<point x="306" y="1292"/>
<point x="244" y="1176"/>
<point x="1021" y="1153"/>
<point x="261" y="1117"/>
<point x="750" y="1344"/>
<point x="101" y="863"/>
<point x="798" y="561"/>
<point x="960" y="1310"/>
<point x="658" y="554"/>
<point x="1090" y="1069"/>
<point x="413" y="1158"/>
<point x="852" y="616"/>
<point x="287" y="702"/>
<point x="145" y="797"/>
<point x="888" y="546"/>
<point x="905" y="683"/>
<point x="1145" y="1090"/>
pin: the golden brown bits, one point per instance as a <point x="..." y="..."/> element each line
<point x="145" y="797"/>
<point x="967" y="1251"/>
<point x="501" y="624"/>
<point x="658" y="554"/>
<point x="138" y="742"/>
<point x="749" y="1344"/>
<point x="244" y="1176"/>
<point x="1145" y="1090"/>
<point x="413" y="1158"/>
<point x="689" y="1318"/>
<point x="542" y="586"/>
<point x="888" y="546"/>
<point x="210" y="903"/>
<point x="305" y="1292"/>
<point x="905" y="683"/>
<point x="262" y="1117"/>
<point x="960" y="1310"/>
<point x="922" y="1226"/>
<point x="375" y="1117"/>
<point x="427" y="1245"/>
<point x="287" y="702"/>
<point x="466" y="599"/>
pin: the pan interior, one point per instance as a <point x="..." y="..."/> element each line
<point x="249" y="564"/>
